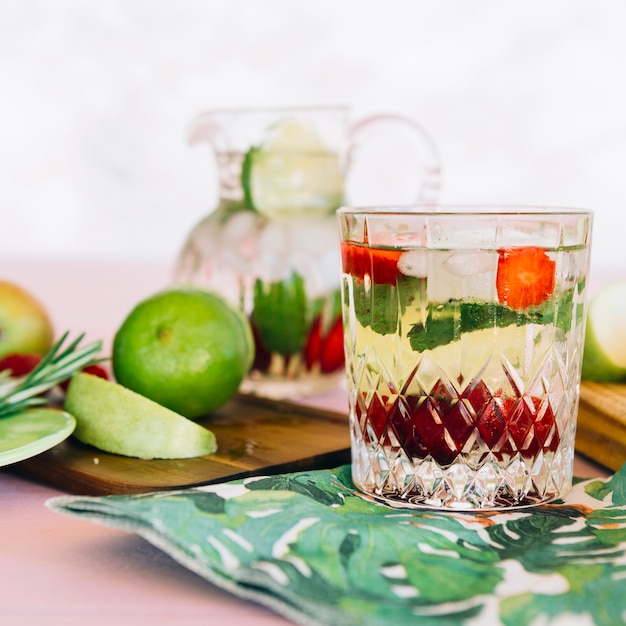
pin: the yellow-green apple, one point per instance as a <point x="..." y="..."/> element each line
<point x="25" y="325"/>
<point x="604" y="358"/>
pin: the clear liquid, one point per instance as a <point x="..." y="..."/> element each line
<point x="280" y="267"/>
<point x="456" y="400"/>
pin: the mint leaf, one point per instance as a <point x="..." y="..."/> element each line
<point x="381" y="305"/>
<point x="446" y="322"/>
<point x="280" y="314"/>
<point x="561" y="311"/>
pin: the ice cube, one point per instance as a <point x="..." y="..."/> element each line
<point x="471" y="262"/>
<point x="239" y="227"/>
<point x="414" y="263"/>
<point x="273" y="250"/>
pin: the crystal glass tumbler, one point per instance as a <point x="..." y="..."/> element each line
<point x="463" y="332"/>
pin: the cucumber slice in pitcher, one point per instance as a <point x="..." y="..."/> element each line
<point x="293" y="170"/>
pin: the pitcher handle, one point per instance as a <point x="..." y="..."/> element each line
<point x="412" y="175"/>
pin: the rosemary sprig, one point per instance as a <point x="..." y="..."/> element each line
<point x="59" y="364"/>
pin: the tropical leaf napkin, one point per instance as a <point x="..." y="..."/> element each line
<point x="308" y="546"/>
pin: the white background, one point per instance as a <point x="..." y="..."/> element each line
<point x="526" y="102"/>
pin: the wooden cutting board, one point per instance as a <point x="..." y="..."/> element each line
<point x="601" y="429"/>
<point x="254" y="436"/>
<point x="257" y="436"/>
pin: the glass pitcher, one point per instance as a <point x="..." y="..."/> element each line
<point x="271" y="245"/>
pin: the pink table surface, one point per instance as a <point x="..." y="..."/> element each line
<point x="56" y="570"/>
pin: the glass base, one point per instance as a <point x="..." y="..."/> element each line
<point x="463" y="485"/>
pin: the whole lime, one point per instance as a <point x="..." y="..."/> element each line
<point x="186" y="348"/>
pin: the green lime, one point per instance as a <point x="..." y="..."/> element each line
<point x="186" y="348"/>
<point x="604" y="358"/>
<point x="293" y="170"/>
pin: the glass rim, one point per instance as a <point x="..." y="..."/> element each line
<point x="460" y="209"/>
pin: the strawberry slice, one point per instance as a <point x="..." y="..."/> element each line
<point x="262" y="356"/>
<point x="328" y="350"/>
<point x="331" y="353"/>
<point x="525" y="277"/>
<point x="20" y="363"/>
<point x="313" y="345"/>
<point x="380" y="264"/>
<point x="94" y="370"/>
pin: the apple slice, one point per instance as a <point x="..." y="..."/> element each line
<point x="115" y="419"/>
<point x="604" y="358"/>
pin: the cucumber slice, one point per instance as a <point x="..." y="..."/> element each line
<point x="292" y="171"/>
<point x="118" y="420"/>
<point x="604" y="358"/>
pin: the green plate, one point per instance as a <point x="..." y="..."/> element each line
<point x="34" y="431"/>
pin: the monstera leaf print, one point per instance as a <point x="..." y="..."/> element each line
<point x="310" y="547"/>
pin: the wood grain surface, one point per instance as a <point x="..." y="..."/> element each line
<point x="257" y="436"/>
<point x="254" y="436"/>
<point x="601" y="429"/>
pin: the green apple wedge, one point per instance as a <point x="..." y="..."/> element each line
<point x="604" y="358"/>
<point x="115" y="419"/>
